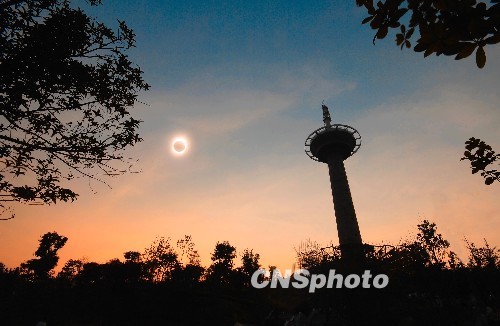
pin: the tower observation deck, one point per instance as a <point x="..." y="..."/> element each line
<point x="332" y="144"/>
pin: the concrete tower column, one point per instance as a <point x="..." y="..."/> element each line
<point x="345" y="215"/>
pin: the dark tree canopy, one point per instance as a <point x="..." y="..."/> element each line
<point x="71" y="269"/>
<point x="483" y="257"/>
<point x="160" y="260"/>
<point x="433" y="243"/>
<point x="66" y="87"/>
<point x="449" y="27"/>
<point x="42" y="266"/>
<point x="249" y="264"/>
<point x="221" y="271"/>
<point x="188" y="253"/>
<point x="423" y="284"/>
<point x="224" y="254"/>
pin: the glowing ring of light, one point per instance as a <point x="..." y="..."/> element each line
<point x="179" y="145"/>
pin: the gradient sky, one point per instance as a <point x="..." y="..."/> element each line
<point x="244" y="82"/>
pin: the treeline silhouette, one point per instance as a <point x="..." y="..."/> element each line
<point x="429" y="284"/>
<point x="167" y="285"/>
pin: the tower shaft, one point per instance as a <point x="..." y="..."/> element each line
<point x="345" y="215"/>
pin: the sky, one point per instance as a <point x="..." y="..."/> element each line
<point x="243" y="82"/>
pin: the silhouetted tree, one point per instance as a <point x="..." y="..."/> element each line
<point x="428" y="250"/>
<point x="409" y="257"/>
<point x="160" y="260"/>
<point x="452" y="28"/>
<point x="224" y="254"/>
<point x="71" y="269"/>
<point x="433" y="243"/>
<point x="132" y="256"/>
<point x="115" y="273"/>
<point x="249" y="264"/>
<point x="42" y="266"/>
<point x="91" y="273"/>
<point x="454" y="262"/>
<point x="189" y="271"/>
<point x="483" y="257"/>
<point x="310" y="254"/>
<point x="221" y="271"/>
<point x="188" y="252"/>
<point x="66" y="87"/>
<point x="190" y="274"/>
<point x="271" y="269"/>
<point x="134" y="266"/>
<point x="480" y="156"/>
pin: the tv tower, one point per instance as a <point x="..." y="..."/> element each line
<point x="332" y="144"/>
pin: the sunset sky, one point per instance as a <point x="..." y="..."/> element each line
<point x="243" y="81"/>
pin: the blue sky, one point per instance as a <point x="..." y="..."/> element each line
<point x="244" y="82"/>
<point x="256" y="43"/>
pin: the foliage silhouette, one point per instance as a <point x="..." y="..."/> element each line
<point x="41" y="268"/>
<point x="428" y="285"/>
<point x="483" y="257"/>
<point x="310" y="253"/>
<point x="249" y="264"/>
<point x="480" y="156"/>
<point x="132" y="256"/>
<point x="433" y="243"/>
<point x="188" y="252"/>
<point x="71" y="269"/>
<point x="66" y="87"/>
<point x="452" y="28"/>
<point x="221" y="271"/>
<point x="160" y="260"/>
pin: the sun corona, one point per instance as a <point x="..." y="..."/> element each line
<point x="179" y="145"/>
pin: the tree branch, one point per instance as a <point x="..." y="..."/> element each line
<point x="8" y="3"/>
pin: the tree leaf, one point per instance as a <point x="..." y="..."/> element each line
<point x="420" y="47"/>
<point x="410" y="33"/>
<point x="400" y="13"/>
<point x="480" y="57"/>
<point x="428" y="52"/>
<point x="382" y="32"/>
<point x="399" y="39"/>
<point x="367" y="19"/>
<point x="481" y="6"/>
<point x="492" y="39"/>
<point x="466" y="51"/>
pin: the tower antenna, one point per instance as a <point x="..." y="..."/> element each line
<point x="327" y="119"/>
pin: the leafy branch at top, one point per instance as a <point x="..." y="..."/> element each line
<point x="449" y="27"/>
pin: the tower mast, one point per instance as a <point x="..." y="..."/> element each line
<point x="332" y="144"/>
